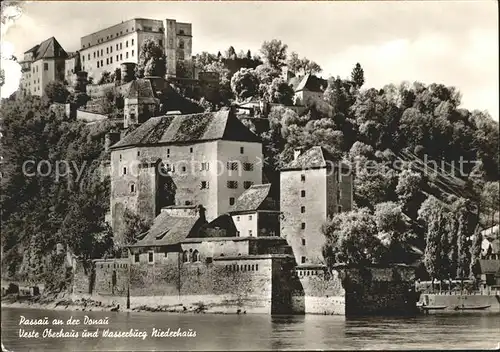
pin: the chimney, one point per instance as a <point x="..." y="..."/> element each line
<point x="296" y="153"/>
<point x="201" y="212"/>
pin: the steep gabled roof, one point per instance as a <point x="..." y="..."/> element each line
<point x="316" y="157"/>
<point x="311" y="83"/>
<point x="252" y="199"/>
<point x="33" y="49"/>
<point x="176" y="129"/>
<point x="50" y="48"/>
<point x="140" y="89"/>
<point x="169" y="230"/>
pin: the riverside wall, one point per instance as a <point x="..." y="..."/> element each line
<point x="266" y="284"/>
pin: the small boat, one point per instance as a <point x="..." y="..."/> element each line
<point x="471" y="307"/>
<point x="431" y="307"/>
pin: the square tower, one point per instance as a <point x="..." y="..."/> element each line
<point x="313" y="187"/>
<point x="178" y="44"/>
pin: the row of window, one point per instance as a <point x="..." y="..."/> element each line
<point x="191" y="150"/>
<point x="243" y="267"/>
<point x="250" y="217"/>
<point x="109" y="61"/>
<point x="230" y="184"/>
<point x="308" y="272"/>
<point x="115" y="266"/>
<point x="101" y="40"/>
<point x="205" y="166"/>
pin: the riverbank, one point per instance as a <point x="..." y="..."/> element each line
<point x="89" y="305"/>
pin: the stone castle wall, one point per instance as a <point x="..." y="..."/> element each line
<point x="258" y="284"/>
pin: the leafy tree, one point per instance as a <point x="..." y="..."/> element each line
<point x="351" y="237"/>
<point x="231" y="53"/>
<point x="280" y="92"/>
<point x="56" y="92"/>
<point x="152" y="61"/>
<point x="358" y="75"/>
<point x="274" y="53"/>
<point x="394" y="231"/>
<point x="105" y="78"/>
<point x="302" y="66"/>
<point x="409" y="184"/>
<point x="244" y="84"/>
<point x="135" y="226"/>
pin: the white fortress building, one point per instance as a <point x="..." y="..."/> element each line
<point x="108" y="48"/>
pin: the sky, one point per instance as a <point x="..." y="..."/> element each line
<point x="450" y="42"/>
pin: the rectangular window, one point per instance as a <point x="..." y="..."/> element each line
<point x="132" y="39"/>
<point x="204" y="185"/>
<point x="302" y="194"/>
<point x="231" y="200"/>
<point x="124" y="170"/>
<point x="303" y="260"/>
<point x="138" y="153"/>
<point x="303" y="226"/>
<point x="88" y="57"/>
<point x="97" y="53"/>
<point x="126" y="44"/>
<point x="121" y="46"/>
<point x="160" y="42"/>
<point x="249" y="232"/>
<point x="339" y="194"/>
<point x="117" y="57"/>
<point x="136" y="258"/>
<point x="232" y="165"/>
<point x="132" y="188"/>
<point x="111" y="49"/>
<point x="132" y="53"/>
<point x="232" y="184"/>
<point x="190" y="150"/>
<point x="111" y="60"/>
<point x="247" y="184"/>
<point x="107" y="50"/>
<point x="302" y="209"/>
<point x="107" y="61"/>
<point x="126" y="55"/>
<point x="150" y="257"/>
<point x="303" y="178"/>
<point x="117" y="46"/>
<point x="339" y="209"/>
<point x="242" y="150"/>
<point x="303" y="241"/>
<point x="102" y="52"/>
<point x="45" y="66"/>
<point x="121" y="57"/>
<point x="248" y="166"/>
<point x="97" y="64"/>
<point x="204" y="166"/>
<point x="102" y="63"/>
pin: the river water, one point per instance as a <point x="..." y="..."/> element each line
<point x="253" y="332"/>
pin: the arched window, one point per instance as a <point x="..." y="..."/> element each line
<point x="185" y="257"/>
<point x="181" y="44"/>
<point x="196" y="256"/>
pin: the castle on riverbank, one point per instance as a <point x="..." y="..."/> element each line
<point x="223" y="240"/>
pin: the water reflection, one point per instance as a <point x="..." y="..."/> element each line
<point x="262" y="332"/>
